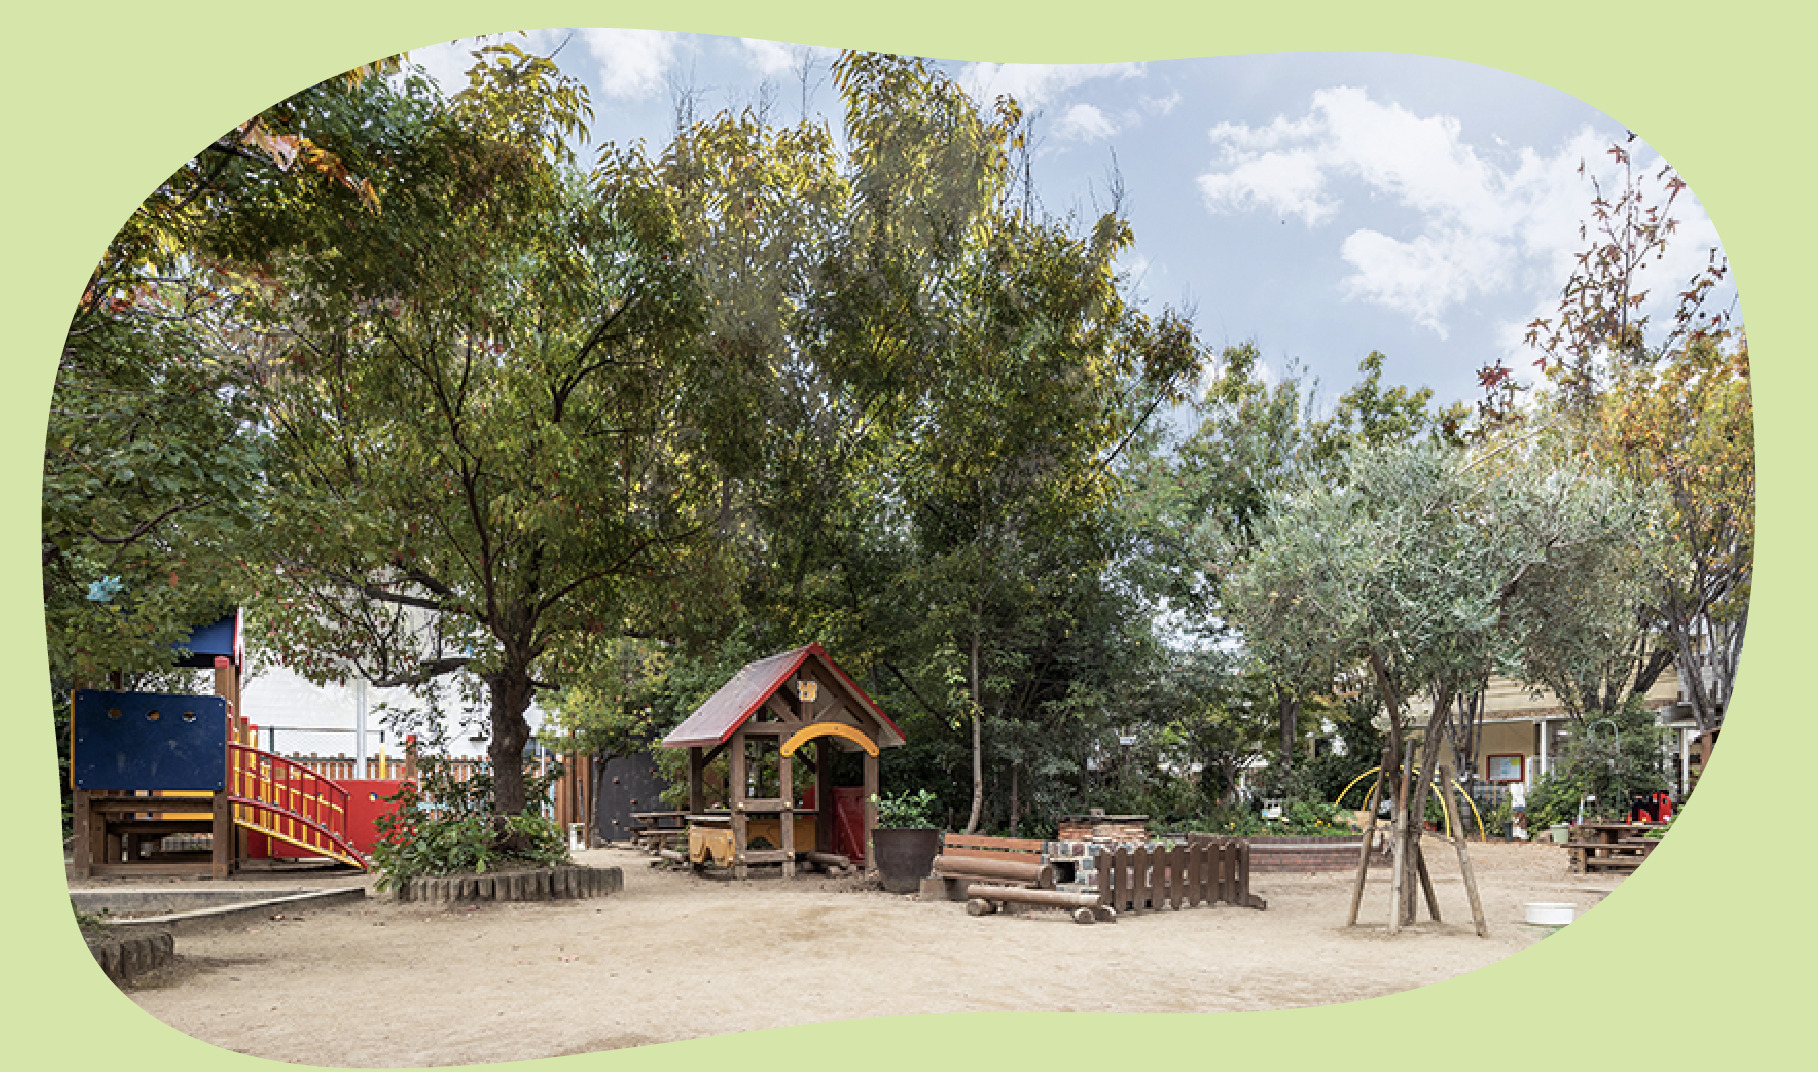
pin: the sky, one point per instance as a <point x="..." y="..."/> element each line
<point x="1319" y="205"/>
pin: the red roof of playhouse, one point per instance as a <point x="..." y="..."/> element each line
<point x="726" y="710"/>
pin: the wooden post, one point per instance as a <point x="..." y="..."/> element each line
<point x="1437" y="725"/>
<point x="785" y="783"/>
<point x="84" y="853"/>
<point x="1426" y="883"/>
<point x="1369" y="835"/>
<point x="1458" y="840"/>
<point x="823" y="796"/>
<point x="735" y="800"/>
<point x="870" y="809"/>
<point x="222" y="859"/>
<point x="697" y="790"/>
<point x="227" y="686"/>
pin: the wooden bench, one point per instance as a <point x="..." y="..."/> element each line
<point x="657" y="831"/>
<point x="967" y="859"/>
<point x="1624" y="855"/>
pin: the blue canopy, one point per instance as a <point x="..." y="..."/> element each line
<point x="209" y="641"/>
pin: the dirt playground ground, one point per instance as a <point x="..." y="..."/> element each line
<point x="678" y="956"/>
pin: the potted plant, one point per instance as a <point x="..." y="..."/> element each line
<point x="906" y="840"/>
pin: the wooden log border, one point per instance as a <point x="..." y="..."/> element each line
<point x="549" y="884"/>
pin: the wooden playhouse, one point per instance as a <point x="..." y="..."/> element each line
<point x="793" y="707"/>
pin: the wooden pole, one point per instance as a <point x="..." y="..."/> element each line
<point x="785" y="782"/>
<point x="823" y="796"/>
<point x="1417" y="820"/>
<point x="86" y="842"/>
<point x="221" y="860"/>
<point x="1369" y="835"/>
<point x="697" y="791"/>
<point x="1458" y="839"/>
<point x="1426" y="882"/>
<point x="870" y="809"/>
<point x="735" y="800"/>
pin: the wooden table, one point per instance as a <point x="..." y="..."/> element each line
<point x="1612" y="846"/>
<point x="656" y="830"/>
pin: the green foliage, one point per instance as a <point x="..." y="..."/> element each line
<point x="907" y="809"/>
<point x="1555" y="796"/>
<point x="88" y="920"/>
<point x="445" y="825"/>
<point x="1609" y="760"/>
<point x="1314" y="817"/>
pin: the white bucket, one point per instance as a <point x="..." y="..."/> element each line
<point x="1550" y="913"/>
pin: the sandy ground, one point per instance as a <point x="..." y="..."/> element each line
<point x="679" y="956"/>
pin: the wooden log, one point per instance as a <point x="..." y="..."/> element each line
<point x="828" y="859"/>
<point x="1084" y="915"/>
<point x="673" y="856"/>
<point x="979" y="907"/>
<point x="1033" y="873"/>
<point x="1021" y="895"/>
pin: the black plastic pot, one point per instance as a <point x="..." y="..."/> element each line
<point x="905" y="855"/>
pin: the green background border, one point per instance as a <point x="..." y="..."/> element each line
<point x="103" y="100"/>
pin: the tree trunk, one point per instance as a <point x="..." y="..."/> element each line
<point x="511" y="691"/>
<point x="978" y="745"/>
<point x="1288" y="707"/>
<point x="1013" y="797"/>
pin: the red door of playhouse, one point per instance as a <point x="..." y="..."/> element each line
<point x="849" y="822"/>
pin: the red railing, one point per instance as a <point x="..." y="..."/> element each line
<point x="287" y="800"/>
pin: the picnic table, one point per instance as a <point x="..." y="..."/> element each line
<point x="1612" y="846"/>
<point x="656" y="830"/>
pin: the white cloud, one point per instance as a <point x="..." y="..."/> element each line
<point x="1085" y="122"/>
<point x="1286" y="183"/>
<point x="1481" y="225"/>
<point x="771" y="58"/>
<point x="447" y="63"/>
<point x="1035" y="84"/>
<point x="632" y="62"/>
<point x="768" y="57"/>
<point x="1159" y="105"/>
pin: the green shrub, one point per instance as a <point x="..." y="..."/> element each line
<point x="907" y="810"/>
<point x="445" y="826"/>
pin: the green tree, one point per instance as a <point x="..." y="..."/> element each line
<point x="505" y="441"/>
<point x="1664" y="405"/>
<point x="1426" y="562"/>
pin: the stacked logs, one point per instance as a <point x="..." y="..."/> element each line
<point x="1034" y="874"/>
<point x="559" y="883"/>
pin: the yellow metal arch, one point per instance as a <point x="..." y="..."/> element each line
<point x="828" y="729"/>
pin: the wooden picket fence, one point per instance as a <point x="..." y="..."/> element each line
<point x="1206" y="870"/>
<point x="344" y="768"/>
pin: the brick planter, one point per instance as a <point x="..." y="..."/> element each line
<point x="1299" y="852"/>
<point x="547" y="884"/>
<point x="125" y="956"/>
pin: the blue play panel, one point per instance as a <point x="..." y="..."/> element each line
<point x="149" y="740"/>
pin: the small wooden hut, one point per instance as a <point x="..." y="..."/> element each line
<point x="777" y="706"/>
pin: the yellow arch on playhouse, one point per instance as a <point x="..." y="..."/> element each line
<point x="829" y="729"/>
